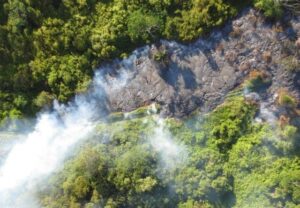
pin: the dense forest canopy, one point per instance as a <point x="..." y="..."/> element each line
<point x="50" y="48"/>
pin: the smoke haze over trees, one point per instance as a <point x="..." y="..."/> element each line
<point x="66" y="59"/>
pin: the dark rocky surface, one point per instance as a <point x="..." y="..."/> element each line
<point x="182" y="78"/>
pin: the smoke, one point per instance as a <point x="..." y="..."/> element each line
<point x="266" y="108"/>
<point x="171" y="153"/>
<point x="44" y="146"/>
<point x="43" y="150"/>
<point x="265" y="114"/>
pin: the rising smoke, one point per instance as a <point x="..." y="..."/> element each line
<point x="43" y="150"/>
<point x="171" y="154"/>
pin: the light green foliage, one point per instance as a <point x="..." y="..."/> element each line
<point x="43" y="99"/>
<point x="199" y="17"/>
<point x="234" y="120"/>
<point x="232" y="162"/>
<point x="271" y="8"/>
<point x="145" y="184"/>
<point x="261" y="167"/>
<point x="119" y="172"/>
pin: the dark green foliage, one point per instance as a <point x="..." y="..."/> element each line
<point x="53" y="46"/>
<point x="257" y="81"/>
<point x="43" y="99"/>
<point x="144" y="27"/>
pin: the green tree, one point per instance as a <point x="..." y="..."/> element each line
<point x="144" y="27"/>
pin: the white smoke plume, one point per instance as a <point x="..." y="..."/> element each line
<point x="265" y="114"/>
<point x="40" y="153"/>
<point x="44" y="149"/>
<point x="266" y="109"/>
<point x="172" y="154"/>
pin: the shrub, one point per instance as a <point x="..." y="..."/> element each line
<point x="291" y="63"/>
<point x="160" y="55"/>
<point x="288" y="131"/>
<point x="257" y="79"/>
<point x="267" y="56"/>
<point x="285" y="99"/>
<point x="43" y="99"/>
<point x="270" y="8"/>
<point x="236" y="33"/>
